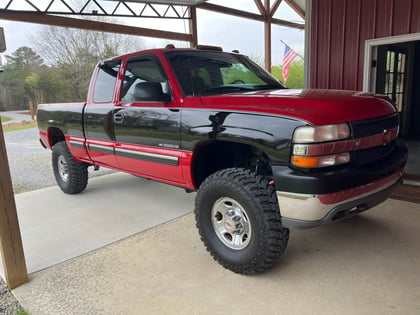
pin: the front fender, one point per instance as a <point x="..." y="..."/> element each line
<point x="270" y="134"/>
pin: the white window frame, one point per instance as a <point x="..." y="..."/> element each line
<point x="371" y="53"/>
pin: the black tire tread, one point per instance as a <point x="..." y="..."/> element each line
<point x="78" y="171"/>
<point x="275" y="237"/>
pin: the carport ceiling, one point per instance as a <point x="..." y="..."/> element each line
<point x="142" y="8"/>
<point x="54" y="12"/>
<point x="299" y="3"/>
<point x="181" y="2"/>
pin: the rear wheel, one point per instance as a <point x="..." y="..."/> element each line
<point x="239" y="221"/>
<point x="71" y="175"/>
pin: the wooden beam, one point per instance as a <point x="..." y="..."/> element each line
<point x="288" y="23"/>
<point x="247" y="15"/>
<point x="10" y="239"/>
<point x="267" y="45"/>
<point x="230" y="11"/>
<point x="274" y="7"/>
<point x="261" y="7"/>
<point x="41" y="18"/>
<point x="193" y="27"/>
<point x="296" y="7"/>
<point x="267" y="37"/>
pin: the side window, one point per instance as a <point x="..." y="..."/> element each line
<point x="144" y="80"/>
<point x="106" y="79"/>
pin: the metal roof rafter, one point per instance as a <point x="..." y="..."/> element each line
<point x="109" y="8"/>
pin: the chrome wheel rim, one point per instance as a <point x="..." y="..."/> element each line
<point x="63" y="169"/>
<point x="231" y="223"/>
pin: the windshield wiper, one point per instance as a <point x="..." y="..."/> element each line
<point x="223" y="89"/>
<point x="268" y="87"/>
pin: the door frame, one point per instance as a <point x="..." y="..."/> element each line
<point x="370" y="73"/>
<point x="371" y="54"/>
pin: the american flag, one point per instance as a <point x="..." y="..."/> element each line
<point x="289" y="55"/>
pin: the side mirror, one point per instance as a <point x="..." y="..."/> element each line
<point x="2" y="41"/>
<point x="151" y="92"/>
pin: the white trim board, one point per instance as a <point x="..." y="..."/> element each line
<point x="371" y="52"/>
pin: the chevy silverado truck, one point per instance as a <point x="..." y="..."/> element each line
<point x="262" y="158"/>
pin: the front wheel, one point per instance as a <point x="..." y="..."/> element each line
<point x="239" y="221"/>
<point x="71" y="175"/>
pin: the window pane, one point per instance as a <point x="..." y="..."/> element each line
<point x="142" y="69"/>
<point x="105" y="82"/>
<point x="202" y="73"/>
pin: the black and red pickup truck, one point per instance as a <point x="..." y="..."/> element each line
<point x="262" y="158"/>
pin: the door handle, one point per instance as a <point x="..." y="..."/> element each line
<point x="118" y="118"/>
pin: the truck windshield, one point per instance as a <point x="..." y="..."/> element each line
<point x="202" y="73"/>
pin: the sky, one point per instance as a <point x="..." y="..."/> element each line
<point x="226" y="31"/>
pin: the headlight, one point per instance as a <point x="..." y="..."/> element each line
<point x="309" y="134"/>
<point x="310" y="139"/>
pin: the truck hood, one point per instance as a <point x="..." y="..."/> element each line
<point x="318" y="107"/>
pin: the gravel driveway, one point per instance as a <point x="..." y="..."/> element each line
<point x="30" y="164"/>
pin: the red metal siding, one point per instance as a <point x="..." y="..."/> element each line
<point x="351" y="39"/>
<point x="415" y="17"/>
<point x="324" y="35"/>
<point x="340" y="29"/>
<point x="337" y="43"/>
<point x="402" y="17"/>
<point x="384" y="18"/>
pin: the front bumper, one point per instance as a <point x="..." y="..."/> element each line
<point x="345" y="177"/>
<point x="306" y="210"/>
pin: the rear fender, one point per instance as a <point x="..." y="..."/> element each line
<point x="52" y="136"/>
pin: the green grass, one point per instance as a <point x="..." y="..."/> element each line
<point x="5" y="118"/>
<point x="21" y="312"/>
<point x="25" y="125"/>
<point x="21" y="188"/>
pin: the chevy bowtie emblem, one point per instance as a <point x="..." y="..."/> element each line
<point x="388" y="137"/>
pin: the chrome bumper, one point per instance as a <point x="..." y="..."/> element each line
<point x="305" y="211"/>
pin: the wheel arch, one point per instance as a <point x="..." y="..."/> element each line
<point x="55" y="135"/>
<point x="212" y="156"/>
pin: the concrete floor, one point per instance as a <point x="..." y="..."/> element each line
<point x="369" y="264"/>
<point x="56" y="227"/>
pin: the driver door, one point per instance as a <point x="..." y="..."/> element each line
<point x="147" y="128"/>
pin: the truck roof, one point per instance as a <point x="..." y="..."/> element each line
<point x="171" y="47"/>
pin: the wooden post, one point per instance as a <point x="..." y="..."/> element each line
<point x="193" y="27"/>
<point x="267" y="36"/>
<point x="31" y="110"/>
<point x="267" y="43"/>
<point x="10" y="239"/>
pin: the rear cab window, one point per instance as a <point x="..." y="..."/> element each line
<point x="106" y="79"/>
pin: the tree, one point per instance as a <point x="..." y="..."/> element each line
<point x="16" y="93"/>
<point x="12" y="84"/>
<point x="26" y="79"/>
<point x="24" y="57"/>
<point x="296" y="78"/>
<point x="74" y="53"/>
<point x="296" y="74"/>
